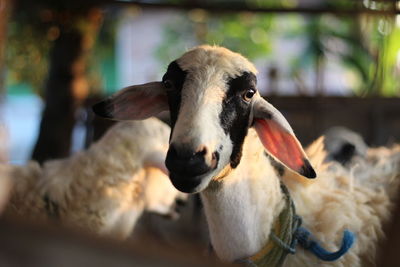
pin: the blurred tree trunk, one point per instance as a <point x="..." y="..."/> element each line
<point x="5" y="9"/>
<point x="67" y="85"/>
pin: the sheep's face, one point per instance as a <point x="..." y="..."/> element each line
<point x="212" y="97"/>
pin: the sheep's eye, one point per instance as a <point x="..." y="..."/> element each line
<point x="249" y="94"/>
<point x="168" y="84"/>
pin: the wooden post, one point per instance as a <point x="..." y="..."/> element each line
<point x="67" y="86"/>
<point x="5" y="9"/>
<point x="5" y="183"/>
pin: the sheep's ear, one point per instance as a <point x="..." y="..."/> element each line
<point x="136" y="102"/>
<point x="278" y="138"/>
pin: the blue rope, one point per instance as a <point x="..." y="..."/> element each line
<point x="304" y="238"/>
<point x="292" y="234"/>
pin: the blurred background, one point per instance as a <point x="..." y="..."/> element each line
<point x="323" y="63"/>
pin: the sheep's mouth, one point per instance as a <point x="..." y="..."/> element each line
<point x="184" y="183"/>
<point x="191" y="183"/>
<point x="188" y="177"/>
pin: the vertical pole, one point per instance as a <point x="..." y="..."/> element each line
<point x="5" y="9"/>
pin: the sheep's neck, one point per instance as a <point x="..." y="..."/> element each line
<point x="242" y="209"/>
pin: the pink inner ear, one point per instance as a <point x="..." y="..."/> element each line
<point x="280" y="143"/>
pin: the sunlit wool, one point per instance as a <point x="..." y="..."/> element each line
<point x="104" y="189"/>
<point x="358" y="198"/>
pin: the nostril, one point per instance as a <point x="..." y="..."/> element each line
<point x="214" y="159"/>
<point x="201" y="151"/>
<point x="181" y="152"/>
<point x="187" y="153"/>
<point x="184" y="160"/>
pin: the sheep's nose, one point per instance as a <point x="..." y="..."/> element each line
<point x="184" y="152"/>
<point x="186" y="161"/>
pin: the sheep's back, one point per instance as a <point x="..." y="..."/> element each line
<point x="358" y="199"/>
<point x="25" y="199"/>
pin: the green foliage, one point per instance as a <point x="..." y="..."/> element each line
<point x="343" y="4"/>
<point x="178" y="36"/>
<point x="368" y="54"/>
<point x="273" y="3"/>
<point x="27" y="54"/>
<point x="244" y="32"/>
<point x="386" y="44"/>
<point x="31" y="36"/>
<point x="101" y="61"/>
<point x="381" y="37"/>
<point x="323" y="37"/>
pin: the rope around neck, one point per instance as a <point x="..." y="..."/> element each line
<point x="285" y="236"/>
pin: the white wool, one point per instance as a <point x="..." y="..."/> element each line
<point x="357" y="200"/>
<point x="337" y="199"/>
<point x="104" y="189"/>
<point x="219" y="60"/>
<point x="232" y="205"/>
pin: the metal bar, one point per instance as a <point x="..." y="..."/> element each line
<point x="237" y="8"/>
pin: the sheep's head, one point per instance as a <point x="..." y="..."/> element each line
<point x="212" y="97"/>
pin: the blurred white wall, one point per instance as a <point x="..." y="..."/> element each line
<point x="138" y="35"/>
<point x="21" y="115"/>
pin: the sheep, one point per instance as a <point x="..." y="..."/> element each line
<point x="380" y="165"/>
<point x="104" y="189"/>
<point x="229" y="144"/>
<point x="343" y="145"/>
<point x="349" y="149"/>
<point x="358" y="196"/>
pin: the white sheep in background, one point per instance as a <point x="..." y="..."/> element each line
<point x="228" y="144"/>
<point x="367" y="164"/>
<point x="104" y="189"/>
<point x="343" y="145"/>
<point x="358" y="196"/>
<point x="380" y="166"/>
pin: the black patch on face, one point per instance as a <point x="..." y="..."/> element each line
<point x="235" y="113"/>
<point x="174" y="77"/>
